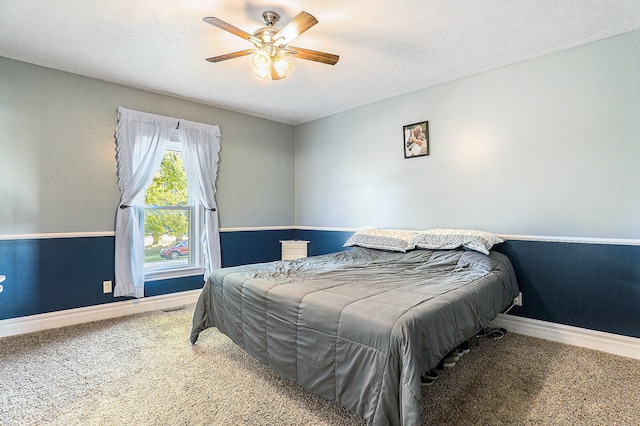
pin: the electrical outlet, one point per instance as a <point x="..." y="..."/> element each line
<point x="107" y="286"/>
<point x="518" y="300"/>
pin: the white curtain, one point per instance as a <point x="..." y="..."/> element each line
<point x="141" y="140"/>
<point x="200" y="148"/>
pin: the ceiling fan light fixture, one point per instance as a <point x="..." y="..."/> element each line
<point x="261" y="73"/>
<point x="279" y="68"/>
<point x="261" y="63"/>
<point x="269" y="63"/>
<point x="271" y="44"/>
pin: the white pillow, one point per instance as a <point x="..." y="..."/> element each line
<point x="446" y="239"/>
<point x="382" y="239"/>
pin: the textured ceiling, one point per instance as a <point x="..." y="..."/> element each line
<point x="386" y="48"/>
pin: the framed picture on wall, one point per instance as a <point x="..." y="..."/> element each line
<point x="416" y="139"/>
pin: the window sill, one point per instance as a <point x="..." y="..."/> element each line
<point x="173" y="273"/>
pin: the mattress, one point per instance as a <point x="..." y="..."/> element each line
<point x="360" y="326"/>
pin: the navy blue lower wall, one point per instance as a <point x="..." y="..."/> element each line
<point x="54" y="274"/>
<point x="593" y="286"/>
<point x="45" y="275"/>
<point x="243" y="247"/>
<point x="322" y="242"/>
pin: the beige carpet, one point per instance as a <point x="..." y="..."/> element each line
<point x="141" y="370"/>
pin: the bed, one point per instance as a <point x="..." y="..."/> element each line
<point x="359" y="326"/>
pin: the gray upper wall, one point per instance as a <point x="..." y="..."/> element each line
<point x="550" y="146"/>
<point x="57" y="154"/>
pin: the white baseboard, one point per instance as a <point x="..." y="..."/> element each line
<point x="31" y="323"/>
<point x="598" y="340"/>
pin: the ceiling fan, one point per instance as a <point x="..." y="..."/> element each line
<point x="272" y="43"/>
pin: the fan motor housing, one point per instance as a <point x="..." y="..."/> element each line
<point x="270" y="17"/>
<point x="266" y="34"/>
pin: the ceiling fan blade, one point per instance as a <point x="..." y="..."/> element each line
<point x="231" y="55"/>
<point x="230" y="28"/>
<point x="299" y="24"/>
<point x="312" y="55"/>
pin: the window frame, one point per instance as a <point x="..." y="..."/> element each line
<point x="196" y="224"/>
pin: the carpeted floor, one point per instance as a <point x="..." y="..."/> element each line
<point x="141" y="370"/>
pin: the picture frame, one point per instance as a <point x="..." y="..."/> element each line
<point x="415" y="139"/>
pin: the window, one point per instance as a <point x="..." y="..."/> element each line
<point x="141" y="145"/>
<point x="171" y="220"/>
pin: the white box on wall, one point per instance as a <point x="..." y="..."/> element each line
<point x="294" y="249"/>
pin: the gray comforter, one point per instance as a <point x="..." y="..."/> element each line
<point x="360" y="326"/>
